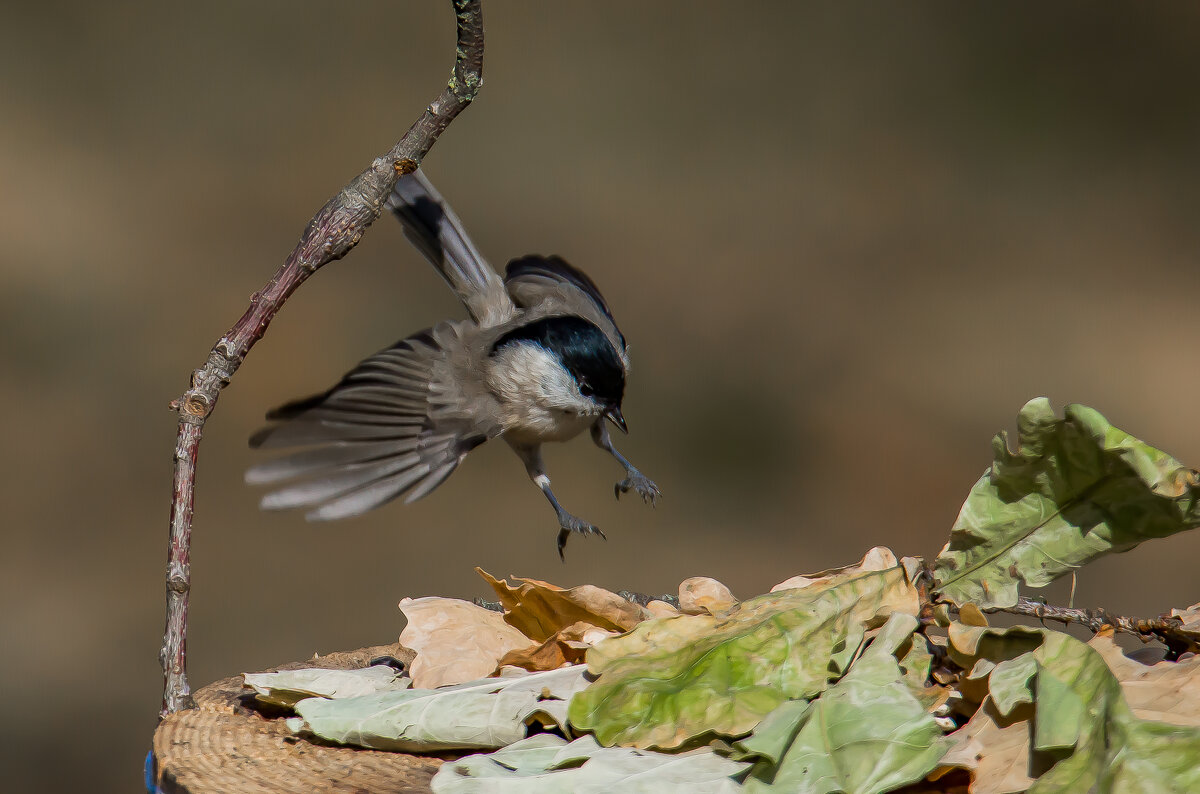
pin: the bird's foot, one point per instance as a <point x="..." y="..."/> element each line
<point x="569" y="524"/>
<point x="642" y="485"/>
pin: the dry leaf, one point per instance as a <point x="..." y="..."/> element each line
<point x="540" y="610"/>
<point x="455" y="640"/>
<point x="550" y="655"/>
<point x="585" y="634"/>
<point x="995" y="749"/>
<point x="1190" y="616"/>
<point x="567" y="646"/>
<point x="877" y="559"/>
<point x="1191" y="621"/>
<point x="1163" y="692"/>
<point x="700" y="595"/>
<point x="661" y="609"/>
<point x="972" y="615"/>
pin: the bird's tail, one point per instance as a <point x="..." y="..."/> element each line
<point x="433" y="227"/>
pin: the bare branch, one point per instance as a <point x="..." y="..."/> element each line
<point x="1166" y="629"/>
<point x="330" y="235"/>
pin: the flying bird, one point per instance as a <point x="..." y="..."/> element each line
<point x="540" y="360"/>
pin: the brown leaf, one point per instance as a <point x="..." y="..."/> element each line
<point x="661" y="609"/>
<point x="540" y="610"/>
<point x="972" y="615"/>
<point x="1191" y="621"/>
<point x="701" y="595"/>
<point x="550" y="655"/>
<point x="995" y="748"/>
<point x="1163" y="692"/>
<point x="567" y="646"/>
<point x="456" y="641"/>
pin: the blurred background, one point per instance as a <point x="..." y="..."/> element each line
<point x="846" y="241"/>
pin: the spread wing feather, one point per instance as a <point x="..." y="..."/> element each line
<point x="396" y="424"/>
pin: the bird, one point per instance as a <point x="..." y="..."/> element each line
<point x="540" y="360"/>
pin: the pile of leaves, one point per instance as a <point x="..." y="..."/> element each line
<point x="876" y="677"/>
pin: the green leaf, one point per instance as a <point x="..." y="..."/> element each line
<point x="1069" y="724"/>
<point x="488" y="713"/>
<point x="916" y="663"/>
<point x="671" y="680"/>
<point x="545" y="764"/>
<point x="1075" y="489"/>
<point x="527" y="757"/>
<point x="867" y="733"/>
<point x="775" y="734"/>
<point x="1011" y="682"/>
<point x="287" y="687"/>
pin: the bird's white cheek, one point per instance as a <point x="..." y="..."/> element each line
<point x="538" y="400"/>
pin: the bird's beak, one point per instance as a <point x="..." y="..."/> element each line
<point x="614" y="415"/>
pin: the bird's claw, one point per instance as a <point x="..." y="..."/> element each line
<point x="569" y="524"/>
<point x="642" y="485"/>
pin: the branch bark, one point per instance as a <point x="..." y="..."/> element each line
<point x="1167" y="629"/>
<point x="334" y="230"/>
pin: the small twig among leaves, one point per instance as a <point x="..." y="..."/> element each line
<point x="330" y="235"/>
<point x="1168" y="630"/>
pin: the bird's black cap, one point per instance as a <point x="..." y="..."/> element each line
<point x="584" y="351"/>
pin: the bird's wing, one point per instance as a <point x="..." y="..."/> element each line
<point x="398" y="423"/>
<point x="431" y="225"/>
<point x="549" y="285"/>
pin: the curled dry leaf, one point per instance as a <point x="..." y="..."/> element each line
<point x="972" y="615"/>
<point x="700" y="595"/>
<point x="540" y="610"/>
<point x="1189" y="616"/>
<point x="455" y="640"/>
<point x="1164" y="692"/>
<point x="877" y="559"/>
<point x="567" y="646"/>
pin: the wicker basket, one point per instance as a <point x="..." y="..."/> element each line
<point x="224" y="747"/>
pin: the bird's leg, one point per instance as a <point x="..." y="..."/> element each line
<point x="531" y="456"/>
<point x="634" y="480"/>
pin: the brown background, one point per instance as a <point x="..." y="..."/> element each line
<point x="847" y="243"/>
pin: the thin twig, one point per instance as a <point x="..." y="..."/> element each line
<point x="330" y="235"/>
<point x="1167" y="629"/>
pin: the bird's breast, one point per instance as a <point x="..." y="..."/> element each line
<point x="538" y="425"/>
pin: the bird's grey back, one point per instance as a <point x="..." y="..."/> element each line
<point x="546" y="286"/>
